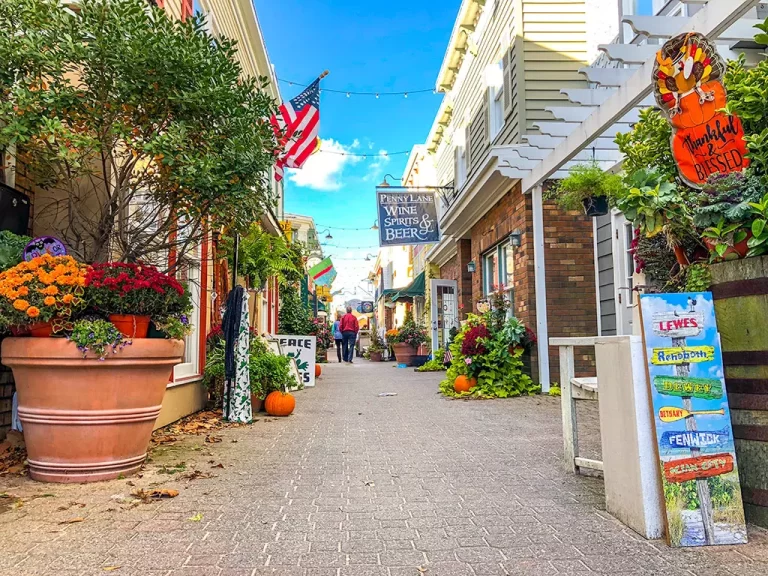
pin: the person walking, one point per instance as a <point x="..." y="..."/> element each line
<point x="349" y="329"/>
<point x="338" y="337"/>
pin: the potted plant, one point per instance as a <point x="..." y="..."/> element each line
<point x="375" y="351"/>
<point x="586" y="187"/>
<point x="134" y="294"/>
<point x="406" y="341"/>
<point x="42" y="294"/>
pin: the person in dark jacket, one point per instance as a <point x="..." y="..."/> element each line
<point x="349" y="329"/>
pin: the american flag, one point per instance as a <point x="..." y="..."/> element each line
<point x="297" y="124"/>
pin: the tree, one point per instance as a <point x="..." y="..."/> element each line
<point x="138" y="129"/>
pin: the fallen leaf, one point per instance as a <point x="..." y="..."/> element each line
<point x="110" y="568"/>
<point x="219" y="465"/>
<point x="129" y="483"/>
<point x="73" y="520"/>
<point x="196" y="518"/>
<point x="370" y="483"/>
<point x="167" y="439"/>
<point x="213" y="439"/>
<point x="421" y="569"/>
<point x="234" y="441"/>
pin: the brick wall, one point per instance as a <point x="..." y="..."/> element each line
<point x="6" y="399"/>
<point x="570" y="276"/>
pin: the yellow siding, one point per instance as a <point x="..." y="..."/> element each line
<point x="547" y="40"/>
<point x="555" y="38"/>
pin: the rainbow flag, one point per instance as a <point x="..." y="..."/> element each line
<point x="323" y="273"/>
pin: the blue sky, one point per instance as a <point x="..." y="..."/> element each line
<point x="396" y="45"/>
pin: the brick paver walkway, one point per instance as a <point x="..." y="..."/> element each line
<point x="354" y="484"/>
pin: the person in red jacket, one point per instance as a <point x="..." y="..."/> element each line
<point x="349" y="329"/>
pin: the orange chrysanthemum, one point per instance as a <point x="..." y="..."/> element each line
<point x="33" y="311"/>
<point x="49" y="301"/>
<point x="67" y="298"/>
<point x="50" y="290"/>
<point x="23" y="291"/>
<point x="21" y="305"/>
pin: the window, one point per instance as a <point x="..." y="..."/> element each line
<point x="629" y="261"/>
<point x="495" y="80"/>
<point x="499" y="269"/>
<point x="189" y="273"/>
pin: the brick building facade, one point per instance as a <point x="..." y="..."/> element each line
<point x="570" y="272"/>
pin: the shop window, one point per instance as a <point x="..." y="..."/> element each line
<point x="499" y="270"/>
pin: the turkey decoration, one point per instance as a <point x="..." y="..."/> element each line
<point x="688" y="88"/>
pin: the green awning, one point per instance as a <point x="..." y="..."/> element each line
<point x="415" y="288"/>
<point x="388" y="292"/>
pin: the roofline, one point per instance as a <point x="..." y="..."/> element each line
<point x="453" y="41"/>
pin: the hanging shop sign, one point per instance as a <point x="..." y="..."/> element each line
<point x="692" y="420"/>
<point x="44" y="245"/>
<point x="688" y="88"/>
<point x="365" y="307"/>
<point x="323" y="273"/>
<point x="407" y="216"/>
<point x="301" y="349"/>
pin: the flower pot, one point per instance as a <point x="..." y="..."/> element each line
<point x="404" y="353"/>
<point x="377" y="357"/>
<point x="41" y="330"/>
<point x="131" y="325"/>
<point x="734" y="252"/>
<point x="19" y="331"/>
<point x="595" y="206"/>
<point x="256" y="403"/>
<point x="84" y="419"/>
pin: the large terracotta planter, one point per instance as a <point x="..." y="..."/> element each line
<point x="376" y="356"/>
<point x="404" y="353"/>
<point x="86" y="420"/>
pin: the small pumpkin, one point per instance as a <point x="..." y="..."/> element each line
<point x="279" y="403"/>
<point x="463" y="383"/>
<point x="318" y="370"/>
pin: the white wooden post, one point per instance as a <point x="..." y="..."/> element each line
<point x="570" y="432"/>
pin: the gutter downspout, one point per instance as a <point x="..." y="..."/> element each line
<point x="540" y="288"/>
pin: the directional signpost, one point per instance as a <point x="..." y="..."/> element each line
<point x="680" y="333"/>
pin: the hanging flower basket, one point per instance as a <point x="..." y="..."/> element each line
<point x="595" y="206"/>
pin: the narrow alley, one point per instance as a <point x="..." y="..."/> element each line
<point x="357" y="484"/>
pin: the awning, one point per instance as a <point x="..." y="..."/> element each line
<point x="388" y="292"/>
<point x="415" y="288"/>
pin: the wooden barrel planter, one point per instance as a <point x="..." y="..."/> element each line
<point x="740" y="290"/>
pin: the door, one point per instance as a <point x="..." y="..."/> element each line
<point x="623" y="273"/>
<point x="444" y="312"/>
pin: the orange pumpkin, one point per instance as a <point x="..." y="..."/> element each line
<point x="318" y="370"/>
<point x="464" y="384"/>
<point x="279" y="403"/>
<point x="693" y="113"/>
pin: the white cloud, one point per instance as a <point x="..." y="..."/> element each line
<point x="322" y="171"/>
<point x="376" y="168"/>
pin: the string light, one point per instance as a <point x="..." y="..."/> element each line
<point x="379" y="155"/>
<point x="341" y="228"/>
<point x="349" y="93"/>
<point x="349" y="247"/>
